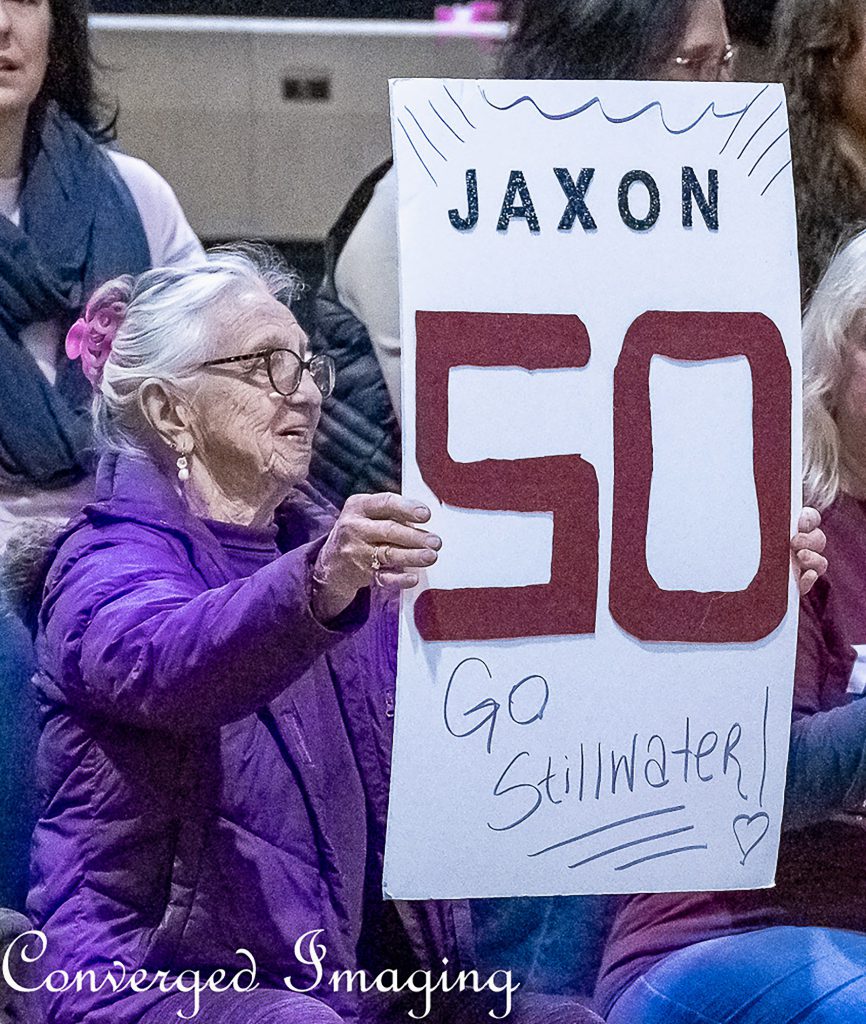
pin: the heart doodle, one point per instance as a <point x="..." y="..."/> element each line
<point x="749" y="830"/>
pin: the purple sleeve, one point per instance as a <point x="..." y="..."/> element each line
<point x="141" y="640"/>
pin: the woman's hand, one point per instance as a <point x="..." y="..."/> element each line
<point x="806" y="548"/>
<point x="376" y="540"/>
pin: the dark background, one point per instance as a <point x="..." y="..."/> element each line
<point x="273" y="8"/>
<point x="749" y="19"/>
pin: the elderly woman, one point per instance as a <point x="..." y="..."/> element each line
<point x="216" y="672"/>
<point x="217" y="659"/>
<point x="796" y="952"/>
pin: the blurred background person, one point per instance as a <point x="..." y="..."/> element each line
<point x="796" y="951"/>
<point x="750" y="23"/>
<point x="73" y="213"/>
<point x="819" y="53"/>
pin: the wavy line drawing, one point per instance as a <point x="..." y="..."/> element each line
<point x="634" y="842"/>
<point x="758" y="129"/>
<point x="664" y="853"/>
<point x="741" y="118"/>
<point x="784" y="167"/>
<point x="596" y="102"/>
<point x="456" y="104"/>
<point x="415" y="148"/>
<point x="430" y="142"/>
<point x="608" y="827"/>
<point x="447" y="125"/>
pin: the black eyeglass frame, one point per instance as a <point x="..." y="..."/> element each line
<point x="267" y="354"/>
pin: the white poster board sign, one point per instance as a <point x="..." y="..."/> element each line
<point x="601" y="381"/>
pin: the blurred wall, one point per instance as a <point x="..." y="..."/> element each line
<point x="264" y="128"/>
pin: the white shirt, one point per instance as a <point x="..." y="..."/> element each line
<point x="171" y="241"/>
<point x="367" y="280"/>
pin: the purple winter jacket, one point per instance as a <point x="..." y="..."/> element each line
<point x="180" y="713"/>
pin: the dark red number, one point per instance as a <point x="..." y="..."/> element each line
<point x="564" y="485"/>
<point x="637" y="603"/>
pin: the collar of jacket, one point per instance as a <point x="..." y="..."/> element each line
<point x="133" y="488"/>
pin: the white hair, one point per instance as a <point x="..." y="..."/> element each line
<point x="167" y="330"/>
<point x="834" y="323"/>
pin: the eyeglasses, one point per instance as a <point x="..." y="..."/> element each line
<point x="717" y="64"/>
<point x="285" y="369"/>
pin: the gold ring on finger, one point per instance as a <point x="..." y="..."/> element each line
<point x="375" y="563"/>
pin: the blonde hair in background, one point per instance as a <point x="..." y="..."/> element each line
<point x="835" y="321"/>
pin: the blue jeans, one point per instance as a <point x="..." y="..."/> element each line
<point x="773" y="976"/>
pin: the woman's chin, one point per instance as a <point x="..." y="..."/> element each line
<point x="287" y="472"/>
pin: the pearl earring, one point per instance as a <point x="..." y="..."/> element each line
<point x="183" y="469"/>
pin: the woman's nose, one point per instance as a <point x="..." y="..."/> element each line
<point x="309" y="389"/>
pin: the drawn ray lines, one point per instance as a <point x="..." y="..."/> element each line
<point x="606" y="828"/>
<point x="415" y="148"/>
<point x="767" y="150"/>
<point x="760" y="126"/>
<point x="447" y="125"/>
<point x="426" y="136"/>
<point x="633" y="842"/>
<point x="784" y="167"/>
<point x="456" y="104"/>
<point x="742" y="116"/>
<point x="664" y="853"/>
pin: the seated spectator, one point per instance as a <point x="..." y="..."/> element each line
<point x="73" y="213"/>
<point x="819" y="54"/>
<point x="216" y="672"/>
<point x="796" y="952"/>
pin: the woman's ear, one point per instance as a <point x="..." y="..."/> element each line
<point x="168" y="416"/>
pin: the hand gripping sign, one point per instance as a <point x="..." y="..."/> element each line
<point x="600" y="328"/>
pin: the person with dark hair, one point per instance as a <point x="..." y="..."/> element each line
<point x="73" y="213"/>
<point x="358" y="444"/>
<point x="751" y="21"/>
<point x="819" y="53"/>
<point x="628" y="39"/>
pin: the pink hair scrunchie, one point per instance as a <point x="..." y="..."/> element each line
<point x="91" y="337"/>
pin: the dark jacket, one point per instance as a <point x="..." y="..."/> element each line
<point x="213" y="761"/>
<point x="357" y="446"/>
